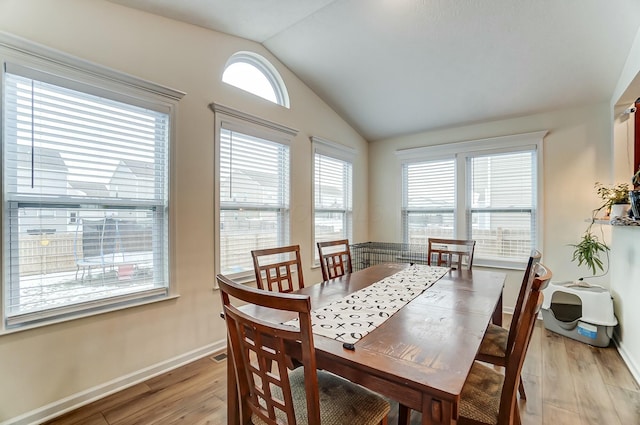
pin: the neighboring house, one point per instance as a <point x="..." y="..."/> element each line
<point x="90" y="189"/>
<point x="130" y="175"/>
<point x="47" y="165"/>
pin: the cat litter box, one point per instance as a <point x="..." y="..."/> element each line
<point x="579" y="311"/>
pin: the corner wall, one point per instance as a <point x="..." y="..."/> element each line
<point x="625" y="290"/>
<point x="625" y="277"/>
<point x="577" y="153"/>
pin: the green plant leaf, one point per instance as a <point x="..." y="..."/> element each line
<point x="587" y="252"/>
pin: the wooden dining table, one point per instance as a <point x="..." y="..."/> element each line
<point x="421" y="355"/>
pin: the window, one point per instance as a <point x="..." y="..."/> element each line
<point x="485" y="190"/>
<point x="333" y="182"/>
<point x="502" y="210"/>
<point x="428" y="200"/>
<point x="85" y="189"/>
<point x="253" y="201"/>
<point x="253" y="73"/>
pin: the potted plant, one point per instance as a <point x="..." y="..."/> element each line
<point x="590" y="247"/>
<point x="634" y="195"/>
<point x="588" y="251"/>
<point x="617" y="195"/>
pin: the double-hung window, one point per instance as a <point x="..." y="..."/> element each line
<point x="253" y="188"/>
<point x="487" y="190"/>
<point x="333" y="187"/>
<point x="85" y="187"/>
<point x="501" y="207"/>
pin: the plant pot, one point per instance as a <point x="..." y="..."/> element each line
<point x="619" y="210"/>
<point x="634" y="197"/>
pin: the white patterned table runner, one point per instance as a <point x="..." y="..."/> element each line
<point x="357" y="314"/>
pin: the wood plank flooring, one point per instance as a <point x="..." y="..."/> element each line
<point x="567" y="383"/>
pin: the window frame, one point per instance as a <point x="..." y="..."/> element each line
<point x="267" y="69"/>
<point x="232" y="119"/>
<point x="460" y="152"/>
<point x="42" y="63"/>
<point x="343" y="153"/>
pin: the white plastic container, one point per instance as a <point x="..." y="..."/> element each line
<point x="579" y="311"/>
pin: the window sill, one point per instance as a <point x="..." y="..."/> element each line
<point x="7" y="331"/>
<point x="499" y="265"/>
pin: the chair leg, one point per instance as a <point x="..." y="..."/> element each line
<point x="404" y="414"/>
<point x="523" y="395"/>
<point x="516" y="415"/>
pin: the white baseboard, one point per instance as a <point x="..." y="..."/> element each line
<point x="628" y="360"/>
<point x="90" y="395"/>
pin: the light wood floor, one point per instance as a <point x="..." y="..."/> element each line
<point x="567" y="383"/>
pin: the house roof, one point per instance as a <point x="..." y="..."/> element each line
<point x="90" y="189"/>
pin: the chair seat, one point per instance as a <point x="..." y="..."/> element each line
<point x="494" y="342"/>
<point x="341" y="402"/>
<point x="480" y="398"/>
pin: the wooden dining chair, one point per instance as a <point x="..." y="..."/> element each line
<point x="497" y="341"/>
<point x="454" y="253"/>
<point x="335" y="258"/>
<point x="267" y="390"/>
<point x="457" y="254"/>
<point x="278" y="269"/>
<point x="490" y="397"/>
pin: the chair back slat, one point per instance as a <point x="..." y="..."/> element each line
<point x="454" y="253"/>
<point x="259" y="353"/>
<point x="278" y="269"/>
<point x="335" y="258"/>
<point x="525" y="288"/>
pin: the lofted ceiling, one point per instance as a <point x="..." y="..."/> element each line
<point x="393" y="67"/>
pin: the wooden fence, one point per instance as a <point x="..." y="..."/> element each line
<point x="47" y="253"/>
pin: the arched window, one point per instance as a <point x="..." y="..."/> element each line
<point x="253" y="73"/>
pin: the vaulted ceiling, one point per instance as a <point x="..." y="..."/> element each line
<point x="393" y="67"/>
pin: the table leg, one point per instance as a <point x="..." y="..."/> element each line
<point x="497" y="313"/>
<point x="437" y="412"/>
<point x="404" y="414"/>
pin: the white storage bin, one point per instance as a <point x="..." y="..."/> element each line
<point x="579" y="311"/>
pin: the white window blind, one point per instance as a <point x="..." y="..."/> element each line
<point x="86" y="198"/>
<point x="254" y="198"/>
<point x="333" y="181"/>
<point x="502" y="202"/>
<point x="429" y="196"/>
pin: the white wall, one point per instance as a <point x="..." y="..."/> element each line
<point x="625" y="276"/>
<point x="629" y="75"/>
<point x="623" y="142"/>
<point x="625" y="289"/>
<point x="577" y="153"/>
<point x="87" y="357"/>
<point x="626" y="92"/>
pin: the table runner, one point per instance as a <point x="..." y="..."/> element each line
<point x="357" y="314"/>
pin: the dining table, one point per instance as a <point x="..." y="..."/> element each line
<point x="420" y="356"/>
